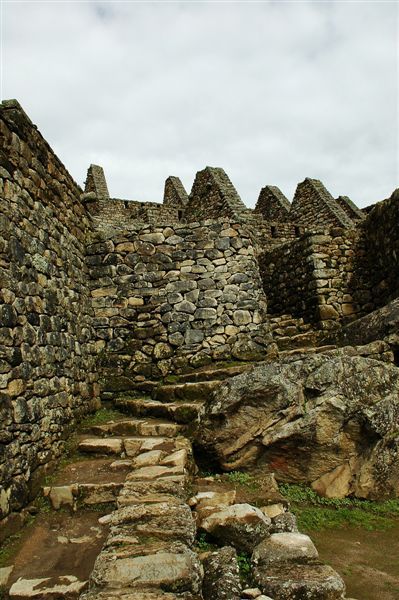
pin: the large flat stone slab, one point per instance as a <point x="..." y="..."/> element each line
<point x="47" y="588"/>
<point x="177" y="572"/>
<point x="163" y="520"/>
<point x="101" y="445"/>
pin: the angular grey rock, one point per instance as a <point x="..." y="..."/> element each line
<point x="241" y="525"/>
<point x="284" y="523"/>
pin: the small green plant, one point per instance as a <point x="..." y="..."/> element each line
<point x="42" y="504"/>
<point x="244" y="564"/>
<point x="241" y="478"/>
<point x="9" y="548"/>
<point x="203" y="544"/>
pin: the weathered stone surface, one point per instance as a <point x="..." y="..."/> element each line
<point x="209" y="498"/>
<point x="47" y="588"/>
<point x="284" y="522"/>
<point x="164" y="519"/>
<point x="170" y="571"/>
<point x="101" y="446"/>
<point x="221" y="575"/>
<point x="284" y="547"/>
<point x="300" y="582"/>
<point x="5" y="573"/>
<point x="312" y="419"/>
<point x="251" y="593"/>
<point x="241" y="525"/>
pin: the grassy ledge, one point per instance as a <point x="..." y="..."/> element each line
<point x="314" y="512"/>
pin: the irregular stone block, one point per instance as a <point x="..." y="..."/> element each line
<point x="284" y="547"/>
<point x="292" y="581"/>
<point x="241" y="525"/>
<point x="221" y="575"/>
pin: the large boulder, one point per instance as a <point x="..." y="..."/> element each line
<point x="328" y="420"/>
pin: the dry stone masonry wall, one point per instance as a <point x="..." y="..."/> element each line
<point x="47" y="372"/>
<point x="312" y="278"/>
<point x="171" y="298"/>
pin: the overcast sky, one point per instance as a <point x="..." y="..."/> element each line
<point x="271" y="91"/>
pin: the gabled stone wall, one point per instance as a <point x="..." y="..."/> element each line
<point x="314" y="206"/>
<point x="47" y="373"/>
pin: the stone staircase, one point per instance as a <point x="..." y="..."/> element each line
<point x="181" y="401"/>
<point x="291" y="333"/>
<point x="129" y="489"/>
<point x="148" y="536"/>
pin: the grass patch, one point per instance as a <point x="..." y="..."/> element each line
<point x="100" y="417"/>
<point x="9" y="548"/>
<point x="317" y="513"/>
<point x="243" y="479"/>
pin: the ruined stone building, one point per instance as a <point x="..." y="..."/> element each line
<point x="101" y="296"/>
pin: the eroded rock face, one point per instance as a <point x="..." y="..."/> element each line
<point x="329" y="420"/>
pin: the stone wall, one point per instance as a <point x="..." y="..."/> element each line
<point x="172" y="298"/>
<point x="174" y="193"/>
<point x="122" y="214"/>
<point x="314" y="206"/>
<point x="47" y="375"/>
<point x="273" y="205"/>
<point x="377" y="262"/>
<point x="214" y="196"/>
<point x="312" y="278"/>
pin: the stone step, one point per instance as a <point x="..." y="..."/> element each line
<point x="307" y="350"/>
<point x="180" y="412"/>
<point x="302" y="340"/>
<point x="168" y="567"/>
<point x="82" y="494"/>
<point x="67" y="586"/>
<point x="133" y="446"/>
<point x="213" y="373"/>
<point x="136" y="427"/>
<point x="129" y="594"/>
<point x="188" y="391"/>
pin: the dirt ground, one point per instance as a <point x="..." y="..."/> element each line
<point x="96" y="470"/>
<point x="59" y="543"/>
<point x="368" y="561"/>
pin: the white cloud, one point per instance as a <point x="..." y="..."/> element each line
<point x="272" y="92"/>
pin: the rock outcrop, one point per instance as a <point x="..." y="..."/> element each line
<point x="330" y="420"/>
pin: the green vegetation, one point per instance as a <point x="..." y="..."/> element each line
<point x="203" y="544"/>
<point x="315" y="512"/>
<point x="244" y="564"/>
<point x="8" y="549"/>
<point x="42" y="504"/>
<point x="241" y="478"/>
<point x="100" y="417"/>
